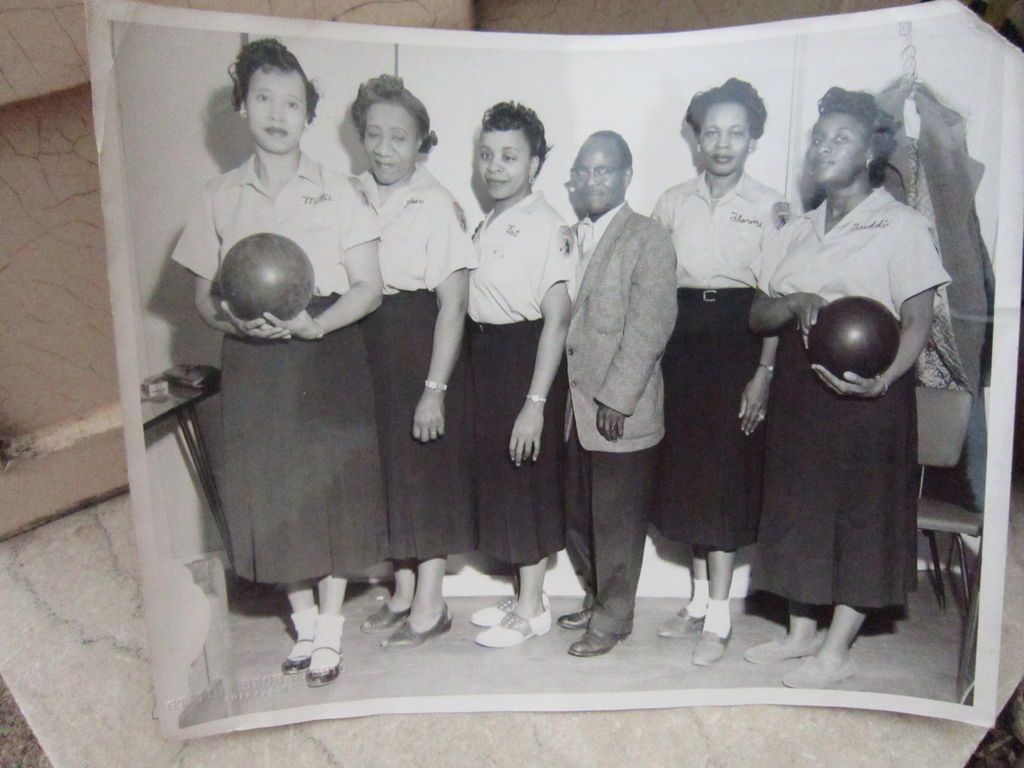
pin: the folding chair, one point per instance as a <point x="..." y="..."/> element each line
<point x="942" y="417"/>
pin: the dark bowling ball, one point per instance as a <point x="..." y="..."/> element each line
<point x="854" y="334"/>
<point x="266" y="273"/>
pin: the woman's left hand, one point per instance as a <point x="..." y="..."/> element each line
<point x="428" y="419"/>
<point x="852" y="385"/>
<point x="302" y="326"/>
<point x="754" y="401"/>
<point x="525" y="441"/>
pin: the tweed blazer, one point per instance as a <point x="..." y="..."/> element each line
<point x="622" y="318"/>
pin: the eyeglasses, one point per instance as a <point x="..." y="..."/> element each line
<point x="599" y="173"/>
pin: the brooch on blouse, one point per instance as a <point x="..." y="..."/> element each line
<point x="460" y="215"/>
<point x="567" y="241"/>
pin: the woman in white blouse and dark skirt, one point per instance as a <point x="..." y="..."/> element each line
<point x="838" y="526"/>
<point x="302" y="485"/>
<point x="519" y="310"/>
<point x="717" y="372"/>
<point x="414" y="343"/>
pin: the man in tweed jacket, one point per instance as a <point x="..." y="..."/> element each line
<point x="622" y="317"/>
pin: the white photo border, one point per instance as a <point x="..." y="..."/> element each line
<point x="151" y="528"/>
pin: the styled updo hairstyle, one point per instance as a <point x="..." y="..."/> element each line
<point x="388" y="89"/>
<point x="511" y="116"/>
<point x="732" y="91"/>
<point x="266" y="55"/>
<point x="878" y="124"/>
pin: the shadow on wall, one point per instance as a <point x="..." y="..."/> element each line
<point x="483" y="197"/>
<point x="228" y="138"/>
<point x="352" y="143"/>
<point x="230" y="143"/>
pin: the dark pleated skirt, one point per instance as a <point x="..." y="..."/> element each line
<point x="429" y="488"/>
<point x="840" y="508"/>
<point x="521" y="509"/>
<point x="302" y="488"/>
<point x="710" y="473"/>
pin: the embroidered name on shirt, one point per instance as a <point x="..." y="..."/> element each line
<point x="738" y="218"/>
<point x="876" y="224"/>
<point x="413" y="201"/>
<point x="512" y="230"/>
<point x="310" y="200"/>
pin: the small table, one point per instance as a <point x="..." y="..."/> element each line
<point x="181" y="404"/>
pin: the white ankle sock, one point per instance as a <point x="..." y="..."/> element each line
<point x="327" y="645"/>
<point x="304" y="622"/>
<point x="718" y="619"/>
<point x="698" y="606"/>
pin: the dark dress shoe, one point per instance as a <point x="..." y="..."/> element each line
<point x="294" y="666"/>
<point x="384" y="619"/>
<point x="595" y="643"/>
<point x="578" y="620"/>
<point x="406" y="637"/>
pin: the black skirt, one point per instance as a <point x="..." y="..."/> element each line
<point x="429" y="488"/>
<point x="302" y="485"/>
<point x="710" y="473"/>
<point x="839" y="524"/>
<point x="521" y="509"/>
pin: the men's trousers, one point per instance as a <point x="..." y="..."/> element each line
<point x="608" y="500"/>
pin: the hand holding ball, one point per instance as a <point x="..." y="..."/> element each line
<point x="854" y="334"/>
<point x="266" y="273"/>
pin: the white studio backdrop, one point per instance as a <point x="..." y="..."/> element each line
<point x="183" y="134"/>
<point x="640" y="94"/>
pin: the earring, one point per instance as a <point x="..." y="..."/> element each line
<point x="243" y="113"/>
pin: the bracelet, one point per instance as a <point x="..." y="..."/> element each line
<point x="435" y="385"/>
<point x="769" y="368"/>
<point x="536" y="398"/>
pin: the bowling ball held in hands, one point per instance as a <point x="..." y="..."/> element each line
<point x="266" y="273"/>
<point x="854" y="334"/>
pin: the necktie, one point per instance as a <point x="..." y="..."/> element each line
<point x="584" y="235"/>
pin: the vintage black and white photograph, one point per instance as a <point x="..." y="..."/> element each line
<point x="506" y="372"/>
